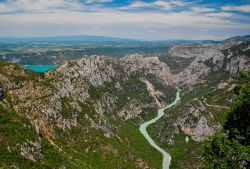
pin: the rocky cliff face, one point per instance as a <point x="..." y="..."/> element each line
<point x="211" y="72"/>
<point x="90" y="109"/>
<point x="229" y="57"/>
<point x="93" y="94"/>
<point x="206" y="84"/>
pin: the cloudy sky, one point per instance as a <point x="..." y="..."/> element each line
<point x="137" y="19"/>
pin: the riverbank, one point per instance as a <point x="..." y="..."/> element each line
<point x="143" y="130"/>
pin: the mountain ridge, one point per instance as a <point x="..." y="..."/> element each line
<point x="88" y="38"/>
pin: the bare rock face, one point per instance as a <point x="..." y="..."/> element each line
<point x="238" y="64"/>
<point x="106" y="103"/>
<point x="197" y="70"/>
<point x="195" y="124"/>
<point x="88" y="94"/>
<point x="195" y="118"/>
<point x="97" y="70"/>
<point x="153" y="65"/>
<point x="131" y="110"/>
<point x="57" y="98"/>
<point x="191" y="51"/>
<point x="231" y="57"/>
<point x="193" y="74"/>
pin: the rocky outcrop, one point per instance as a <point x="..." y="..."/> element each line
<point x="65" y="88"/>
<point x="154" y="93"/>
<point x="89" y="95"/>
<point x="231" y="57"/>
<point x="192" y="118"/>
<point x="190" y="51"/>
<point x="153" y="65"/>
<point x="238" y="64"/>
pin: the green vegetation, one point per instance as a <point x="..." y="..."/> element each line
<point x="66" y="107"/>
<point x="18" y="74"/>
<point x="53" y="158"/>
<point x="148" y="113"/>
<point x="238" y="49"/>
<point x="176" y="64"/>
<point x="17" y="132"/>
<point x="215" y="78"/>
<point x="231" y="148"/>
<point x="133" y="88"/>
<point x="48" y="54"/>
<point x="2" y="64"/>
<point x="209" y="90"/>
<point x="89" y="148"/>
<point x="169" y="92"/>
<point x="181" y="151"/>
<point x="189" y="155"/>
<point x="96" y="92"/>
<point x="80" y="146"/>
<point x="13" y="132"/>
<point x="87" y="108"/>
<point x="138" y="144"/>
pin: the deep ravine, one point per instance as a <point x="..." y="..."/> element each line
<point x="143" y="130"/>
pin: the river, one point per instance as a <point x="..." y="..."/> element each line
<point x="143" y="130"/>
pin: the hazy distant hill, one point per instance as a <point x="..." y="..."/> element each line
<point x="57" y="50"/>
<point x="68" y="39"/>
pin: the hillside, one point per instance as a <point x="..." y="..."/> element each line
<point x="230" y="148"/>
<point x="86" y="113"/>
<point x="84" y="110"/>
<point x="207" y="93"/>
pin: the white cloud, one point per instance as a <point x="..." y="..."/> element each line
<point x="114" y="23"/>
<point x="202" y="9"/>
<point x="66" y="17"/>
<point x="122" y="18"/>
<point x="40" y="5"/>
<point x="139" y="4"/>
<point x="163" y="4"/>
<point x="219" y="14"/>
<point x="178" y="3"/>
<point x="244" y="8"/>
<point x="97" y="1"/>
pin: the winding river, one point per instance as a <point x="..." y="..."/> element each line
<point x="143" y="130"/>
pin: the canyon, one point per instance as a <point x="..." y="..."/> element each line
<point x="87" y="111"/>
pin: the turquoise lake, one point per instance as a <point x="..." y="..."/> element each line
<point x="40" y="68"/>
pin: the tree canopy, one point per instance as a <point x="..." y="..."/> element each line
<point x="230" y="149"/>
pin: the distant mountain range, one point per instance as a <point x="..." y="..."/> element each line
<point x="239" y="38"/>
<point x="103" y="39"/>
<point x="57" y="50"/>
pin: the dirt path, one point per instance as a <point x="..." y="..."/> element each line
<point x="214" y="105"/>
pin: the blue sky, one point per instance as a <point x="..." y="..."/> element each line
<point x="137" y="19"/>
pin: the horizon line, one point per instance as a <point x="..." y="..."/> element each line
<point x="114" y="37"/>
